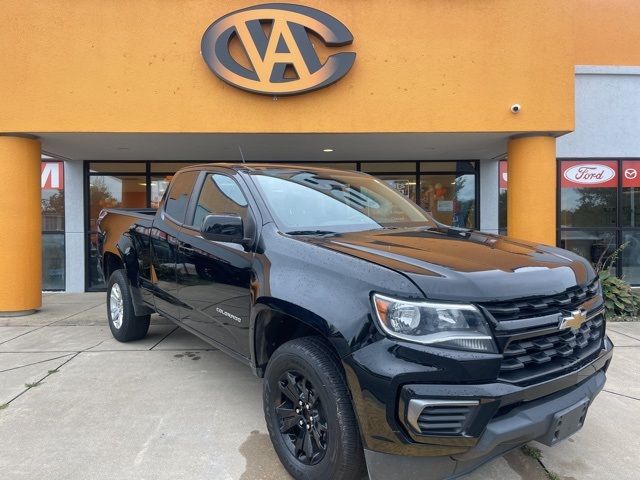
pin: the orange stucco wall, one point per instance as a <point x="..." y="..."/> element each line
<point x="422" y="66"/>
<point x="607" y="32"/>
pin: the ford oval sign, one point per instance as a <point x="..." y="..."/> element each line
<point x="275" y="38"/>
<point x="589" y="173"/>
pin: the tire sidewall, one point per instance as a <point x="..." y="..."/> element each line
<point x="325" y="469"/>
<point x="128" y="317"/>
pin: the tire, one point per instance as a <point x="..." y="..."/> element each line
<point x="126" y="326"/>
<point x="307" y="369"/>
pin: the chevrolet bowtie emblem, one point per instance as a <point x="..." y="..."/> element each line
<point x="574" y="321"/>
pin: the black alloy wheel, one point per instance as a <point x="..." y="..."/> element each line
<point x="303" y="423"/>
<point x="309" y="412"/>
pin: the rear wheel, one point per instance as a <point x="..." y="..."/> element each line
<point x="309" y="413"/>
<point x="124" y="324"/>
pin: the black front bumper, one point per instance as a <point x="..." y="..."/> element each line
<point x="507" y="417"/>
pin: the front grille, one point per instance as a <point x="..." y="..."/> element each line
<point x="444" y="420"/>
<point x="529" y="358"/>
<point x="570" y="299"/>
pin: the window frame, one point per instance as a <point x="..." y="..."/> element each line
<point x="199" y="186"/>
<point x="618" y="229"/>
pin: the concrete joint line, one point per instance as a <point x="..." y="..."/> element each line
<point x="54" y="370"/>
<point x="164" y="338"/>
<point x="622" y="395"/>
<point x="34" y="363"/>
<point x="624" y="334"/>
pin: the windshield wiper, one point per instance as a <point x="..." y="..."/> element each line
<point x="310" y="232"/>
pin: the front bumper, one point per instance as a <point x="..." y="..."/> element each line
<point x="531" y="421"/>
<point x="507" y="417"/>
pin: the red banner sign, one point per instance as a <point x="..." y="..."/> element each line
<point x="52" y="175"/>
<point x="589" y="174"/>
<point x="631" y="173"/>
<point x="503" y="174"/>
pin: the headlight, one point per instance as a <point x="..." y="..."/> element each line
<point x="459" y="326"/>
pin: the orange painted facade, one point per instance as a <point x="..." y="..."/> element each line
<point x="421" y="66"/>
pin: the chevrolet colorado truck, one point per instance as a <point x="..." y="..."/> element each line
<point x="387" y="341"/>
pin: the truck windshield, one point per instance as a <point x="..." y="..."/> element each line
<point x="315" y="202"/>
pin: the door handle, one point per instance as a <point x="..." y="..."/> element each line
<point x="185" y="247"/>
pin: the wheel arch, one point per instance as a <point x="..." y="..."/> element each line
<point x="275" y="322"/>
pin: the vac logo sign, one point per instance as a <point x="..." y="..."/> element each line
<point x="280" y="56"/>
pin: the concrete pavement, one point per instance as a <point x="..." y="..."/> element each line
<point x="76" y="404"/>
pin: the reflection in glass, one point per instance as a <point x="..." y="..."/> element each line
<point x="53" y="261"/>
<point x="631" y="207"/>
<point x="119" y="167"/>
<point x="159" y="185"/>
<point x="449" y="198"/>
<point x="403" y="184"/>
<point x="630" y="257"/>
<point x="96" y="276"/>
<point x="595" y="246"/>
<point x="588" y="207"/>
<point x="372" y="167"/>
<point x="115" y="192"/>
<point x="334" y="202"/>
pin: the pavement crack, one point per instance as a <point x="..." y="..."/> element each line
<point x="35" y="363"/>
<point x="164" y="338"/>
<point x="621" y="395"/>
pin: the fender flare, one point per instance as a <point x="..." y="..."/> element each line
<point x="300" y="314"/>
<point x="128" y="254"/>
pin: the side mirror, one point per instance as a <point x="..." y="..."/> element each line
<point x="223" y="228"/>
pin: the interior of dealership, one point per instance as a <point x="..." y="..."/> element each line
<point x="439" y="99"/>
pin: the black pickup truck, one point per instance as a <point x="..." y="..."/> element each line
<point x="386" y="340"/>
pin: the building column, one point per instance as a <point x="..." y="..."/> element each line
<point x="20" y="226"/>
<point x="489" y="195"/>
<point x="531" y="196"/>
<point x="74" y="236"/>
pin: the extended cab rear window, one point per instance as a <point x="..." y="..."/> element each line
<point x="179" y="194"/>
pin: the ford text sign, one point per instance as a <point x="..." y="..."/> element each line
<point x="589" y="175"/>
<point x="281" y="59"/>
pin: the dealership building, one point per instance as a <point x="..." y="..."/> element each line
<point x="519" y="117"/>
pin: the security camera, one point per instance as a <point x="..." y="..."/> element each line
<point x="515" y="108"/>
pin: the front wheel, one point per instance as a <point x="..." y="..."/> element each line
<point x="125" y="325"/>
<point x="309" y="413"/>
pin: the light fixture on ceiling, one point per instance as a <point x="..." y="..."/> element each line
<point x="328" y="150"/>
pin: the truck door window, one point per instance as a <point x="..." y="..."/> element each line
<point x="178" y="198"/>
<point x="220" y="194"/>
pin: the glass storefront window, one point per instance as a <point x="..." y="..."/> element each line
<point x="53" y="259"/>
<point x="170" y="167"/>
<point x="450" y="198"/>
<point x="110" y="191"/>
<point x="404" y="184"/>
<point x="588" y="207"/>
<point x="588" y="191"/>
<point x="630" y="256"/>
<point x="52" y="208"/>
<point x="118" y="167"/>
<point x="159" y="185"/>
<point x="594" y="245"/>
<point x="630" y="202"/>
<point x="372" y="167"/>
<point x="143" y="184"/>
<point x="121" y="191"/>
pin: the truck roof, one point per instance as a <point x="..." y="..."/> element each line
<point x="255" y="167"/>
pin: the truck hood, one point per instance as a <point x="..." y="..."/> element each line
<point x="455" y="264"/>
